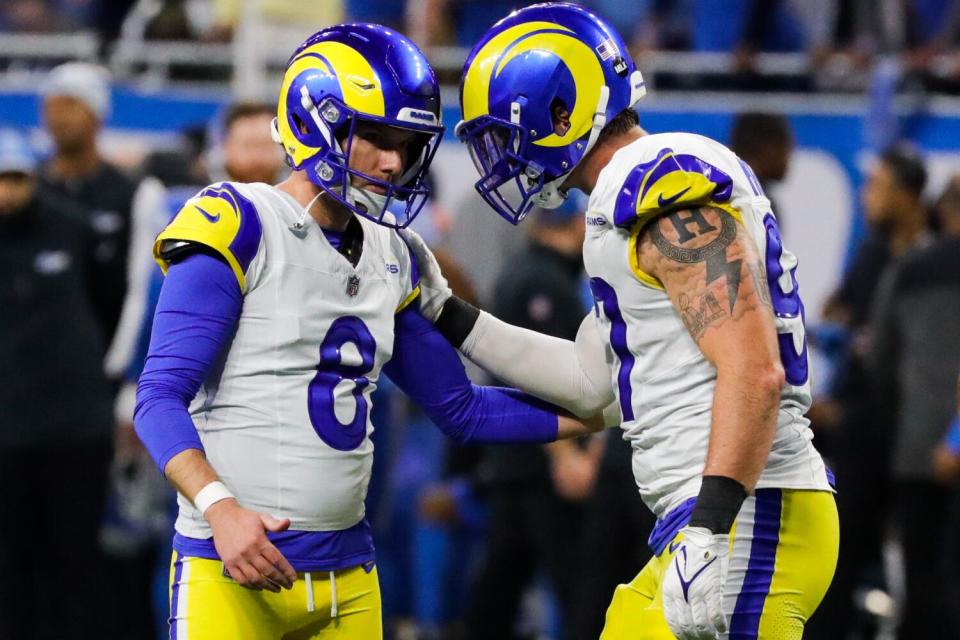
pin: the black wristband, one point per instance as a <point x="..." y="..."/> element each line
<point x="456" y="320"/>
<point x="718" y="504"/>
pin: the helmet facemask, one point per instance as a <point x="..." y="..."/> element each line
<point x="511" y="182"/>
<point x="331" y="122"/>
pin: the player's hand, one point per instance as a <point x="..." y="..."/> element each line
<point x="240" y="538"/>
<point x="693" y="585"/>
<point x="434" y="290"/>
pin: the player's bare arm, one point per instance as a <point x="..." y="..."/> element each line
<point x="239" y="534"/>
<point x="715" y="278"/>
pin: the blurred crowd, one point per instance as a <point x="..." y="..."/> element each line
<point x="840" y="40"/>
<point x="512" y="542"/>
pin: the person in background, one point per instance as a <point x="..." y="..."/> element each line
<point x="946" y="463"/>
<point x="946" y="457"/>
<point x="55" y="402"/>
<point x="249" y="153"/>
<point x="765" y="142"/>
<point x="534" y="517"/>
<point x="913" y="372"/>
<point x="76" y="102"/>
<point x="859" y="432"/>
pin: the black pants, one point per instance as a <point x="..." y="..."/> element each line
<point x="921" y="519"/>
<point x="530" y="529"/>
<point x="616" y="527"/>
<point x="50" y="578"/>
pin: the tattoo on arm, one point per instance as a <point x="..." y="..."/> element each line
<point x="703" y="258"/>
<point x="714" y="254"/>
<point x="760" y="284"/>
<point x="697" y="319"/>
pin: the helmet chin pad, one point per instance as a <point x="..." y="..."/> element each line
<point x="366" y="200"/>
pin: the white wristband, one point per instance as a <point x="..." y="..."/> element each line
<point x="210" y="494"/>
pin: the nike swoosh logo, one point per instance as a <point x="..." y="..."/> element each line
<point x="207" y="215"/>
<point x="673" y="546"/>
<point x="363" y="86"/>
<point x="663" y="202"/>
<point x="685" y="584"/>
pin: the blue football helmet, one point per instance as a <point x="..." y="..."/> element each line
<point x="526" y="65"/>
<point x="348" y="74"/>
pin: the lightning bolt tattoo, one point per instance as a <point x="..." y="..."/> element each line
<point x="718" y="266"/>
<point x="713" y="254"/>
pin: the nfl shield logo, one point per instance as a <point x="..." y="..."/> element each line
<point x="353" y="286"/>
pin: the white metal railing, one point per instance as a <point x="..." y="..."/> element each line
<point x="25" y="47"/>
<point x="152" y="63"/>
<point x="686" y="63"/>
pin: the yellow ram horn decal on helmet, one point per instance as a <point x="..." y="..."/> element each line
<point x="359" y="85"/>
<point x="582" y="62"/>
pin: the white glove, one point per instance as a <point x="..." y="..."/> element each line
<point x="434" y="290"/>
<point x="693" y="585"/>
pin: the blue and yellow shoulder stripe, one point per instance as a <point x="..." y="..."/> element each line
<point x="668" y="181"/>
<point x="219" y="218"/>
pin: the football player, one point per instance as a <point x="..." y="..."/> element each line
<point x="281" y="307"/>
<point x="697" y="309"/>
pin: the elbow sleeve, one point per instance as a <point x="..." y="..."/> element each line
<point x="573" y="375"/>
<point x="163" y="423"/>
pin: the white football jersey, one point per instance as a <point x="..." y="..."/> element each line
<point x="664" y="384"/>
<point x="284" y="415"/>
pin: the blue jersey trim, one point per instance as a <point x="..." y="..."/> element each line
<point x="247" y="240"/>
<point x="304" y="550"/>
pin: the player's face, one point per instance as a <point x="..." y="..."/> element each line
<point x="250" y="154"/>
<point x="70" y="123"/>
<point x="379" y="151"/>
<point x="15" y="191"/>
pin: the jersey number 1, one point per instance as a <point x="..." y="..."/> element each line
<point x="332" y="372"/>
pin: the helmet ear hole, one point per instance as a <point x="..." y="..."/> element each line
<point x="299" y="124"/>
<point x="559" y="116"/>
